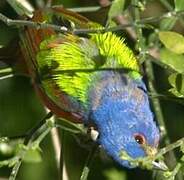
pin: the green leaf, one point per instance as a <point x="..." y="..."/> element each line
<point x="22" y="7"/>
<point x="173" y="41"/>
<point x="176" y="93"/>
<point x="177" y="82"/>
<point x="182" y="158"/>
<point x="114" y="174"/>
<point x="116" y="8"/>
<point x="182" y="148"/>
<point x="167" y="23"/>
<point x="175" y="61"/>
<point x="179" y="5"/>
<point x="33" y="156"/>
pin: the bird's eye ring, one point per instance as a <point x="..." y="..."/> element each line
<point x="139" y="138"/>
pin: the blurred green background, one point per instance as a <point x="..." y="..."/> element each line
<point x="21" y="109"/>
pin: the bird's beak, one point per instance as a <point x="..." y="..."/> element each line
<point x="160" y="165"/>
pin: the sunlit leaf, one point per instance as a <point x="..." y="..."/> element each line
<point x="173" y="41"/>
<point x="32" y="156"/>
<point x="175" y="61"/>
<point x="179" y="5"/>
<point x="176" y="93"/>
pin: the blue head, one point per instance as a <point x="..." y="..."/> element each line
<point x="121" y="111"/>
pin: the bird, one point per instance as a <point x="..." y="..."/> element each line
<point x="92" y="78"/>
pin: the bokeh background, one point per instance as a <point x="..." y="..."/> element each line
<point x="21" y="109"/>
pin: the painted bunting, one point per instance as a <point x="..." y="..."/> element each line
<point x="92" y="78"/>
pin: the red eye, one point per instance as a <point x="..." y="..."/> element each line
<point x="139" y="138"/>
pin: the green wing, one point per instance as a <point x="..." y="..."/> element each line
<point x="66" y="62"/>
<point x="63" y="60"/>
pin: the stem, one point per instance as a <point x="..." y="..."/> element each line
<point x="170" y="147"/>
<point x="89" y="160"/>
<point x="155" y="101"/>
<point x="63" y="167"/>
<point x="6" y="70"/>
<point x="176" y="170"/>
<point x="15" y="170"/>
<point x="140" y="38"/>
<point x="32" y="24"/>
<point x="85" y="9"/>
<point x="6" y="73"/>
<point x="170" y="8"/>
<point x="57" y="146"/>
<point x="70" y="126"/>
<point x="38" y="133"/>
<point x="63" y="29"/>
<point x="149" y="71"/>
<point x="7" y="76"/>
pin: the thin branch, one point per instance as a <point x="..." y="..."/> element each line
<point x="151" y="79"/>
<point x="89" y="160"/>
<point x="57" y="146"/>
<point x="85" y="9"/>
<point x="62" y="29"/>
<point x="169" y="7"/>
<point x="149" y="71"/>
<point x="32" y="24"/>
<point x="35" y="136"/>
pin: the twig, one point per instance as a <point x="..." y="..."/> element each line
<point x="151" y="78"/>
<point x="170" y="147"/>
<point x="7" y="76"/>
<point x="56" y="145"/>
<point x="155" y="101"/>
<point x="149" y="71"/>
<point x="87" y="165"/>
<point x="170" y="8"/>
<point x="32" y="24"/>
<point x="85" y="9"/>
<point x="38" y="133"/>
<point x="62" y="29"/>
<point x="63" y="167"/>
<point x="15" y="170"/>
